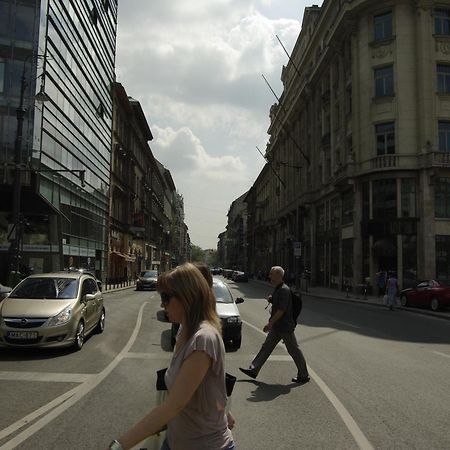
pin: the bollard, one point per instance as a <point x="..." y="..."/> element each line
<point x="365" y="293"/>
<point x="346" y="292"/>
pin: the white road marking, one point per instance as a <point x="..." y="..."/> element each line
<point x="359" y="437"/>
<point x="144" y="356"/>
<point x="347" y="324"/>
<point x="45" y="376"/>
<point x="65" y="401"/>
<point x="441" y="354"/>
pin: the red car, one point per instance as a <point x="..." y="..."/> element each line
<point x="431" y="293"/>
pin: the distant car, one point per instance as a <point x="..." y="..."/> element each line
<point x="147" y="280"/>
<point x="52" y="310"/>
<point x="228" y="313"/>
<point x="429" y="293"/>
<point x="216" y="271"/>
<point x="239" y="276"/>
<point x="4" y="291"/>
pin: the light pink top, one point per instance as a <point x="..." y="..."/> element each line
<point x="202" y="424"/>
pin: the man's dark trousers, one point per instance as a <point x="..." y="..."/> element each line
<point x="272" y="339"/>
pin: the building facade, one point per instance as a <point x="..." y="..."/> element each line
<point x="360" y="141"/>
<point x="67" y="50"/>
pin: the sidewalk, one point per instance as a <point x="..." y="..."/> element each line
<point x="335" y="294"/>
<point x="322" y="292"/>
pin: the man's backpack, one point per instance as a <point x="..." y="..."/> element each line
<point x="296" y="305"/>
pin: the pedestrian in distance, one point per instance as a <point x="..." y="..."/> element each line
<point x="194" y="410"/>
<point x="381" y="282"/>
<point x="280" y="326"/>
<point x="392" y="290"/>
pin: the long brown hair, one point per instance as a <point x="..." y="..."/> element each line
<point x="190" y="287"/>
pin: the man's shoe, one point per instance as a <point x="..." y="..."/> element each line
<point x="300" y="380"/>
<point x="249" y="372"/>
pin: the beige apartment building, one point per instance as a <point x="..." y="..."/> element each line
<point x="360" y="143"/>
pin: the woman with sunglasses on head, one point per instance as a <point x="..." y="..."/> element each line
<point x="194" y="410"/>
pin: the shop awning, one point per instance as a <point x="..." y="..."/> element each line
<point x="127" y="258"/>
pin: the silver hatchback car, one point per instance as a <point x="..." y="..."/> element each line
<point x="52" y="310"/>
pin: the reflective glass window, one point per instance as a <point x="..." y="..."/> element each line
<point x="442" y="21"/>
<point x="2" y="76"/>
<point x="25" y="19"/>
<point x="442" y="198"/>
<point x="384" y="81"/>
<point x="408" y="197"/>
<point x="443" y="258"/>
<point x="385" y="137"/>
<point x="443" y="78"/>
<point x="382" y="26"/>
<point x="444" y="136"/>
<point x="384" y="199"/>
<point x="4" y="18"/>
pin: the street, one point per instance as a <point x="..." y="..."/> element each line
<point x="379" y="379"/>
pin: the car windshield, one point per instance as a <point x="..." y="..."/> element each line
<point x="48" y="288"/>
<point x="149" y="273"/>
<point x="222" y="293"/>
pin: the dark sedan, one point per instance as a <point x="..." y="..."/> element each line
<point x="429" y="293"/>
<point x="147" y="280"/>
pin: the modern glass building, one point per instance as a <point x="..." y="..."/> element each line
<point x="65" y="48"/>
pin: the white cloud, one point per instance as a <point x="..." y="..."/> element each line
<point x="196" y="69"/>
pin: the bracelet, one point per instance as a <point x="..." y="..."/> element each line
<point x="115" y="445"/>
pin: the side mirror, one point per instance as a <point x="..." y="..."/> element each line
<point x="89" y="297"/>
<point x="239" y="300"/>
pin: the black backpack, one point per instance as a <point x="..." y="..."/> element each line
<point x="296" y="305"/>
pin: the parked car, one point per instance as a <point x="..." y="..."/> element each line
<point x="239" y="276"/>
<point x="4" y="291"/>
<point x="216" y="271"/>
<point x="52" y="310"/>
<point x="147" y="280"/>
<point x="430" y="293"/>
<point x="228" y="313"/>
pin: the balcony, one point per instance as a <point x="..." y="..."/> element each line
<point x="384" y="162"/>
<point x="437" y="159"/>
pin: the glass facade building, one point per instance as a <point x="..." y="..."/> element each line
<point x="67" y="48"/>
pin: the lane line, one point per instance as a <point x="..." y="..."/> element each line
<point x="45" y="376"/>
<point x="65" y="401"/>
<point x="359" y="437"/>
<point x="441" y="354"/>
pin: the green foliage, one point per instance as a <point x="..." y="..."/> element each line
<point x="197" y="254"/>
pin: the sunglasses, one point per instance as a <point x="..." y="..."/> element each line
<point x="165" y="298"/>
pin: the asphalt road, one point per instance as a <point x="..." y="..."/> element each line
<point x="380" y="379"/>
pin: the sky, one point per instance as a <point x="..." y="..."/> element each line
<point x="196" y="68"/>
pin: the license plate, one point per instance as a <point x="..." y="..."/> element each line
<point x="22" y="334"/>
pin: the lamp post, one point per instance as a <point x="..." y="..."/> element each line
<point x="14" y="248"/>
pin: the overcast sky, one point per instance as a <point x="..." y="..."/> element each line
<point x="196" y="68"/>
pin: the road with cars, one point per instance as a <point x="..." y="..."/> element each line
<point x="379" y="379"/>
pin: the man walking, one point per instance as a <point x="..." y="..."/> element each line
<point x="280" y="326"/>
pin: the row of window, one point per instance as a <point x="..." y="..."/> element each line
<point x="385" y="137"/>
<point x="383" y="29"/>
<point x="384" y="80"/>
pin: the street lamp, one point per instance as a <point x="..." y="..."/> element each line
<point x="14" y="249"/>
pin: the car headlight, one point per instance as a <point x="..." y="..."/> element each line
<point x="233" y="319"/>
<point x="61" y="318"/>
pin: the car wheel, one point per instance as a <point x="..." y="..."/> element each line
<point x="101" y="323"/>
<point x="403" y="300"/>
<point x="79" y="337"/>
<point x="434" y="304"/>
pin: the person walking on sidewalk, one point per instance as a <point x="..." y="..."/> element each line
<point x="392" y="290"/>
<point x="280" y="326"/>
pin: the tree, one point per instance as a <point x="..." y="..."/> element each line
<point x="197" y="254"/>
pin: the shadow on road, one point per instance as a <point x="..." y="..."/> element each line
<point x="265" y="392"/>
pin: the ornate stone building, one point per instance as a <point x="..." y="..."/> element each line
<point x="360" y="141"/>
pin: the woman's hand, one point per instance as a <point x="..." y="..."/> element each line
<point x="231" y="420"/>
